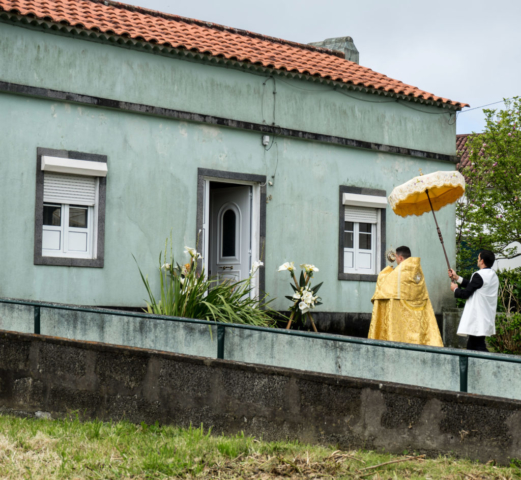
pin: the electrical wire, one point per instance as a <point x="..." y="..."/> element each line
<point x="423" y="111"/>
<point x="483" y="106"/>
<point x="335" y="89"/>
<point x="274" y="97"/>
<point x="306" y="89"/>
<point x="363" y="99"/>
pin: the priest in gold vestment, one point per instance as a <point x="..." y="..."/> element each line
<point x="402" y="310"/>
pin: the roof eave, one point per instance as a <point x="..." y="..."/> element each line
<point x="143" y="45"/>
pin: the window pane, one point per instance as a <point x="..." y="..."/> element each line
<point x="78" y="242"/>
<point x="349" y="226"/>
<point x="52" y="215"/>
<point x="228" y="233"/>
<point x="77" y="217"/>
<point x="364" y="241"/>
<point x="365" y="227"/>
<point x="51" y="240"/>
<point x="348" y="239"/>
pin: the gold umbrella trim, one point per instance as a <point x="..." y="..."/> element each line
<point x="410" y="198"/>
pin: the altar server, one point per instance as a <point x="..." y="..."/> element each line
<point x="479" y="316"/>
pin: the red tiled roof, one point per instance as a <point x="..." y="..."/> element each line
<point x="461" y="150"/>
<point x="116" y="18"/>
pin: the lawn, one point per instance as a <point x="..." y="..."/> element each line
<point x="70" y="449"/>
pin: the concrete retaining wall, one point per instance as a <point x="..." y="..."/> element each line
<point x="432" y="368"/>
<point x="100" y="381"/>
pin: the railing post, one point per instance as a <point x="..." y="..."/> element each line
<point x="37" y="320"/>
<point x="463" y="373"/>
<point x="220" y="341"/>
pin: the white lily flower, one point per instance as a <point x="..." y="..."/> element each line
<point x="193" y="253"/>
<point x="309" y="268"/>
<point x="165" y="266"/>
<point x="256" y="266"/>
<point x="182" y="280"/>
<point x="290" y="266"/>
<point x="307" y="297"/>
<point x="296" y="296"/>
<point x="304" y="307"/>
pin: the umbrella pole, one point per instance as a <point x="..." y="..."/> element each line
<point x="438" y="228"/>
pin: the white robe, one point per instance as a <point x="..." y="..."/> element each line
<point x="479" y="315"/>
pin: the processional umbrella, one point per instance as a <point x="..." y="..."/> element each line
<point x="426" y="193"/>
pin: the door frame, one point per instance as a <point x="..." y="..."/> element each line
<point x="258" y="233"/>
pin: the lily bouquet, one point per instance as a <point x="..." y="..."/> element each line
<point x="305" y="296"/>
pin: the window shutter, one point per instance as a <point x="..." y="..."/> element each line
<point x="69" y="189"/>
<point x="361" y="214"/>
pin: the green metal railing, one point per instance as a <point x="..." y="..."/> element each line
<point x="463" y="355"/>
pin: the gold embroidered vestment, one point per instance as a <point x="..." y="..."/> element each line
<point x="402" y="310"/>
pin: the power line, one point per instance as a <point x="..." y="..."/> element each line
<point x="483" y="106"/>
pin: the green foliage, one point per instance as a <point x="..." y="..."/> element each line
<point x="509" y="295"/>
<point x="489" y="216"/>
<point x="508" y="334"/>
<point x="508" y="320"/>
<point x="187" y="292"/>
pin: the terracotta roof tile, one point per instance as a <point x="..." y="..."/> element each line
<point x="204" y="37"/>
<point x="461" y="149"/>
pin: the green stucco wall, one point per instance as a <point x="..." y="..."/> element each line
<point x="153" y="162"/>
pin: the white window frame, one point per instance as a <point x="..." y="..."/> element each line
<point x="356" y="250"/>
<point x="236" y="259"/>
<point x="68" y="162"/>
<point x="359" y="197"/>
<point x="65" y="229"/>
<point x="80" y="168"/>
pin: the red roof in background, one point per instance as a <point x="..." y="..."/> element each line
<point x="208" y="38"/>
<point x="461" y="150"/>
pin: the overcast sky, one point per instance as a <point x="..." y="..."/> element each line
<point x="465" y="50"/>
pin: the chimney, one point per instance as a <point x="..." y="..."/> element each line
<point x="342" y="44"/>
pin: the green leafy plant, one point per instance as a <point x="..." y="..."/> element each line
<point x="508" y="334"/>
<point x="305" y="296"/>
<point x="489" y="215"/>
<point x="509" y="295"/>
<point x="508" y="321"/>
<point x="187" y="292"/>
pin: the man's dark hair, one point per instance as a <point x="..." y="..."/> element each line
<point x="488" y="257"/>
<point x="405" y="252"/>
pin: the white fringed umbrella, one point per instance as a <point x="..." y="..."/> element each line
<point x="428" y="193"/>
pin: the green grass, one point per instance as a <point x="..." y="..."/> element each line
<point x="70" y="449"/>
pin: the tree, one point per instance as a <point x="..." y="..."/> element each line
<point x="489" y="216"/>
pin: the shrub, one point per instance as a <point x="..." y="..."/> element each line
<point x="509" y="296"/>
<point x="508" y="320"/>
<point x="187" y="292"/>
<point x="508" y="334"/>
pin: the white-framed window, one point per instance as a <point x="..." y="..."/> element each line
<point x="360" y="239"/>
<point x="362" y="233"/>
<point x="69" y="227"/>
<point x="69" y="213"/>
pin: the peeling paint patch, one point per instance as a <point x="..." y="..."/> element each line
<point x="212" y="132"/>
<point x="182" y="129"/>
